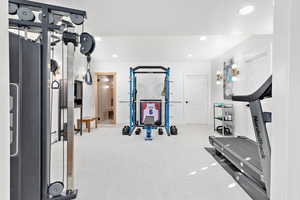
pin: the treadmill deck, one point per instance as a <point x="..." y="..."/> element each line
<point x="244" y="147"/>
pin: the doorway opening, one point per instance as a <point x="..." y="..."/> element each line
<point x="106" y="98"/>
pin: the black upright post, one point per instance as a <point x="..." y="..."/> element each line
<point x="44" y="108"/>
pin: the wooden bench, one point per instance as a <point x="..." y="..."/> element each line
<point x="87" y="121"/>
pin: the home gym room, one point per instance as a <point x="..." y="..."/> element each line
<point x="140" y="100"/>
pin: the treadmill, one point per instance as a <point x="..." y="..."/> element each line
<point x="251" y="159"/>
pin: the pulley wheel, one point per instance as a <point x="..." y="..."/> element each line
<point x="56" y="188"/>
<point x="88" y="43"/>
<point x="77" y="19"/>
<point x="12" y="8"/>
<point x="25" y="14"/>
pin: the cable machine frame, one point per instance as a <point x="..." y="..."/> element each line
<point x="44" y="28"/>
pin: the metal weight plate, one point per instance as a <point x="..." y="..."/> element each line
<point x="12" y="8"/>
<point x="88" y="43"/>
<point x="25" y="14"/>
<point x="77" y="19"/>
<point x="51" y="18"/>
<point x="56" y="188"/>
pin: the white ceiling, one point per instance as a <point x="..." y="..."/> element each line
<point x="163" y="48"/>
<point x="173" y="17"/>
<point x="170" y="29"/>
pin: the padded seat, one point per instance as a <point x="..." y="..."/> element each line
<point x="149" y="121"/>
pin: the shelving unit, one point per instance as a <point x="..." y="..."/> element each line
<point x="224" y="117"/>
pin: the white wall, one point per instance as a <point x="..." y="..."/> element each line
<point x="253" y="57"/>
<point x="80" y="66"/>
<point x="178" y="69"/>
<point x="286" y="98"/>
<point x="4" y="105"/>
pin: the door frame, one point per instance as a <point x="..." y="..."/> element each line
<point x="184" y="93"/>
<point x="97" y="96"/>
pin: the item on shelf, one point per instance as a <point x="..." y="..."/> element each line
<point x="224" y="115"/>
<point x="227" y="131"/>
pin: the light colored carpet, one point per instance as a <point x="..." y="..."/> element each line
<point x="110" y="166"/>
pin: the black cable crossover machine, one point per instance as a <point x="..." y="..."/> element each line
<point x="33" y="80"/>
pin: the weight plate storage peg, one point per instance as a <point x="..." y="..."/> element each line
<point x="77" y="19"/>
<point x="55" y="189"/>
<point x="25" y="14"/>
<point x="12" y="8"/>
<point x="88" y="44"/>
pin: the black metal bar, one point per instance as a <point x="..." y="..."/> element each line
<point x="81" y="107"/>
<point x="20" y="23"/>
<point x="59" y="116"/>
<point x="49" y="7"/>
<point x="44" y="108"/>
<point x="214" y="117"/>
<point x="149" y="67"/>
<point x="148" y="72"/>
<point x="150" y="100"/>
<point x="134" y="100"/>
<point x="142" y="126"/>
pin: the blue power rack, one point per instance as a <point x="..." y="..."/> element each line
<point x="128" y="130"/>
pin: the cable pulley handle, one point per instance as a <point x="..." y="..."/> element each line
<point x="88" y="76"/>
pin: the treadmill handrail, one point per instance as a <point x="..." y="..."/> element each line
<point x="264" y="91"/>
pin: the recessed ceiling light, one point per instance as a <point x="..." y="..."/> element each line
<point x="115" y="56"/>
<point x="246" y="10"/>
<point x="98" y="39"/>
<point x="202" y="38"/>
